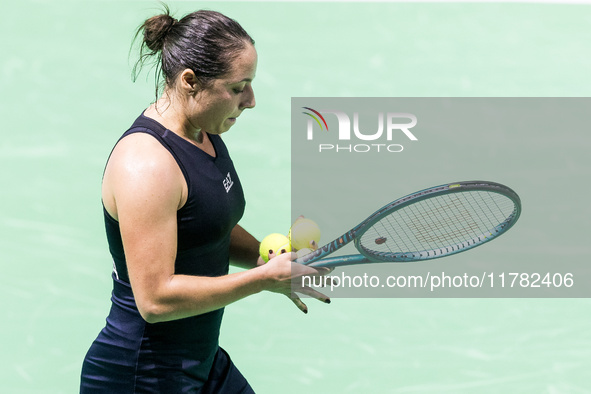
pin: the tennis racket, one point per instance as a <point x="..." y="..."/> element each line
<point x="429" y="224"/>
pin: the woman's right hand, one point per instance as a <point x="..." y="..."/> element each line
<point x="287" y="277"/>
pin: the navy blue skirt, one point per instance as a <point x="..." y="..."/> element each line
<point x="223" y="378"/>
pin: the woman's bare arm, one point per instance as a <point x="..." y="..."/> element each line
<point x="143" y="188"/>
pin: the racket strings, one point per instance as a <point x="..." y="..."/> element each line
<point x="389" y="229"/>
<point x="439" y="222"/>
<point x="435" y="224"/>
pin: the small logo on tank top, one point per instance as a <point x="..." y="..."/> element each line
<point x="228" y="183"/>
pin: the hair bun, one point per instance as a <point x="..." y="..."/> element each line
<point x="156" y="29"/>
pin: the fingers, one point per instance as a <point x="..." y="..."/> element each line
<point x="299" y="270"/>
<point x="291" y="276"/>
<point x="274" y="253"/>
<point x="299" y="303"/>
<point x="271" y="254"/>
<point x="310" y="292"/>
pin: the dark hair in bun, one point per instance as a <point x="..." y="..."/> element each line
<point x="156" y="29"/>
<point x="204" y="41"/>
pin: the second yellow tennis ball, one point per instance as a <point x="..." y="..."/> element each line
<point x="302" y="232"/>
<point x="278" y="243"/>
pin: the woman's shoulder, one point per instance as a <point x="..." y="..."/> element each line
<point x="140" y="167"/>
<point x="141" y="150"/>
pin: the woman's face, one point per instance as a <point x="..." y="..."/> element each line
<point x="215" y="108"/>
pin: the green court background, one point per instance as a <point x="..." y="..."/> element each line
<point x="67" y="96"/>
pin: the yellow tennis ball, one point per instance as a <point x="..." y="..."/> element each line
<point x="302" y="232"/>
<point x="278" y="243"/>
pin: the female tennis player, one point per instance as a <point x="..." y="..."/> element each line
<point x="172" y="201"/>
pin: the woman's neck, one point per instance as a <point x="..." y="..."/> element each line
<point x="171" y="116"/>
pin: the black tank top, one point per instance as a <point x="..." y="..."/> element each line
<point x="215" y="204"/>
<point x="134" y="355"/>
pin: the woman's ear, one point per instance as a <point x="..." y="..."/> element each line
<point x="188" y="82"/>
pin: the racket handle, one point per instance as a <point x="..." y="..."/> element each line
<point x="341" y="260"/>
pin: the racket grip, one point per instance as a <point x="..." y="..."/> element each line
<point x="341" y="261"/>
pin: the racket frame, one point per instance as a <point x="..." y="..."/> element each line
<point x="354" y="235"/>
